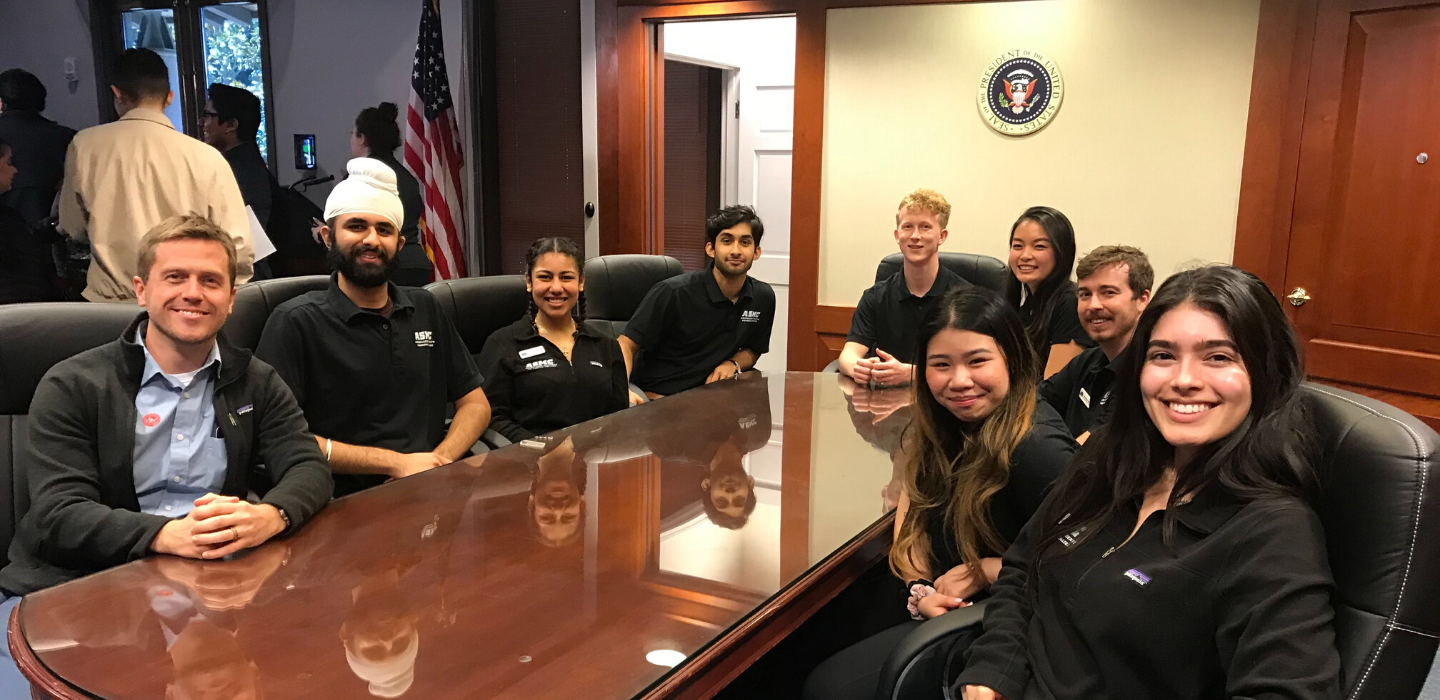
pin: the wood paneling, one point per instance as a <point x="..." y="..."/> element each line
<point x="1272" y="138"/>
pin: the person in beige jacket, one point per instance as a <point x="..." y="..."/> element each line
<point x="123" y="178"/>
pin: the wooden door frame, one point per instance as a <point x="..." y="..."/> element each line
<point x="628" y="158"/>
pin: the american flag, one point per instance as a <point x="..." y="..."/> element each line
<point x="432" y="150"/>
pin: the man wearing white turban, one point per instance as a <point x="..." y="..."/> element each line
<point x="372" y="364"/>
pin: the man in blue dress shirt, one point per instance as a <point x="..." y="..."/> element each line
<point x="151" y="443"/>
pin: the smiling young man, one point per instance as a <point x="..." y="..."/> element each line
<point x="706" y="325"/>
<point x="373" y="365"/>
<point x="1114" y="288"/>
<point x="148" y="444"/>
<point x="880" y="348"/>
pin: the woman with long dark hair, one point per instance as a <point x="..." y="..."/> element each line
<point x="549" y="370"/>
<point x="1178" y="557"/>
<point x="977" y="459"/>
<point x="377" y="135"/>
<point x="1042" y="256"/>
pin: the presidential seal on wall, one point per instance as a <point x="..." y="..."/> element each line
<point x="1020" y="92"/>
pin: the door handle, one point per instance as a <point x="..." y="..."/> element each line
<point x="1298" y="297"/>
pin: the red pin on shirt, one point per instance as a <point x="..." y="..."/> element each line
<point x="151" y="420"/>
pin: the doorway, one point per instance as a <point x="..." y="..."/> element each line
<point x="725" y="113"/>
<point x="1365" y="239"/>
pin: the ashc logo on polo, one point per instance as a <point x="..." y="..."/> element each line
<point x="750" y="316"/>
<point x="424" y="339"/>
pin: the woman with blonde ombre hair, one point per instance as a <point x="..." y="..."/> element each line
<point x="977" y="460"/>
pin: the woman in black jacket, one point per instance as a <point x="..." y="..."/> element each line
<point x="976" y="462"/>
<point x="549" y="370"/>
<point x="1042" y="256"/>
<point x="1178" y="557"/>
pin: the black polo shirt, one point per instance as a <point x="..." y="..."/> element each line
<point x="888" y="315"/>
<point x="534" y="390"/>
<point x="686" y="327"/>
<point x="365" y="379"/>
<point x="1081" y="390"/>
<point x="1062" y="327"/>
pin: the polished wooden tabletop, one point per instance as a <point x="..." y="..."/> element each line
<point x="651" y="553"/>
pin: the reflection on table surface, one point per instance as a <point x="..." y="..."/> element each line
<point x="575" y="565"/>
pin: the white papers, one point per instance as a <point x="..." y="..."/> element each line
<point x="263" y="246"/>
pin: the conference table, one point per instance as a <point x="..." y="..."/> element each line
<point x="653" y="553"/>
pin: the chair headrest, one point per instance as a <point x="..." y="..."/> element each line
<point x="35" y="337"/>
<point x="479" y="306"/>
<point x="616" y="284"/>
<point x="254" y="302"/>
<point x="979" y="270"/>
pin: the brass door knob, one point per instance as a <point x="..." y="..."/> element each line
<point x="1298" y="297"/>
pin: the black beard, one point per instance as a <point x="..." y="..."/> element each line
<point x="362" y="274"/>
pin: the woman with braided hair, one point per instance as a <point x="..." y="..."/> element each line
<point x="550" y="370"/>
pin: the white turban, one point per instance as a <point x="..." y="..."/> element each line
<point x="370" y="189"/>
<point x="391" y="677"/>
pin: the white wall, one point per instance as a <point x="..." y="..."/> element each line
<point x="1146" y="148"/>
<point x="38" y="36"/>
<point x="332" y="58"/>
<point x="764" y="51"/>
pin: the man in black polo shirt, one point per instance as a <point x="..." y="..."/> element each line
<point x="372" y="364"/>
<point x="1114" y="288"/>
<point x="707" y="325"/>
<point x="880" y="348"/>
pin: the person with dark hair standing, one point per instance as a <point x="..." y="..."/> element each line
<point x="1179" y="556"/>
<point x="27" y="272"/>
<point x="37" y="145"/>
<point x="230" y="123"/>
<point x="123" y="178"/>
<point x="706" y="325"/>
<point x="550" y="370"/>
<point x="1042" y="256"/>
<point x="373" y="364"/>
<point x="977" y="460"/>
<point x="377" y="135"/>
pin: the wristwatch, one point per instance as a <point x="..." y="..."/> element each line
<point x="736" y="375"/>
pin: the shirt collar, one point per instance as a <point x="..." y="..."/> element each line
<point x="347" y="309"/>
<point x="1212" y="507"/>
<point x="528" y="331"/>
<point x="943" y="281"/>
<point x="149" y="115"/>
<point x="713" y="288"/>
<point x="152" y="368"/>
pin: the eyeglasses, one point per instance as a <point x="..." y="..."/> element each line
<point x="209" y="115"/>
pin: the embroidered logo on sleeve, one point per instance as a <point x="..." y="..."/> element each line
<point x="750" y="317"/>
<point x="424" y="339"/>
<point x="1139" y="578"/>
<point x="597" y="363"/>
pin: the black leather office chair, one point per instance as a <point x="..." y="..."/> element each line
<point x="479" y="306"/>
<point x="981" y="270"/>
<point x="33" y="338"/>
<point x="1382" y="523"/>
<point x="254" y="302"/>
<point x="616" y="284"/>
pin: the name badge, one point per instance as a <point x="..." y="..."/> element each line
<point x="1085" y="398"/>
<point x="540" y="350"/>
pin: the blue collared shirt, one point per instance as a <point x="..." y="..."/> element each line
<point x="179" y="454"/>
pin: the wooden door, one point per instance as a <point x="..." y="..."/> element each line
<point x="1365" y="242"/>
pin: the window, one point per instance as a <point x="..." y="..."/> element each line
<point x="203" y="42"/>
